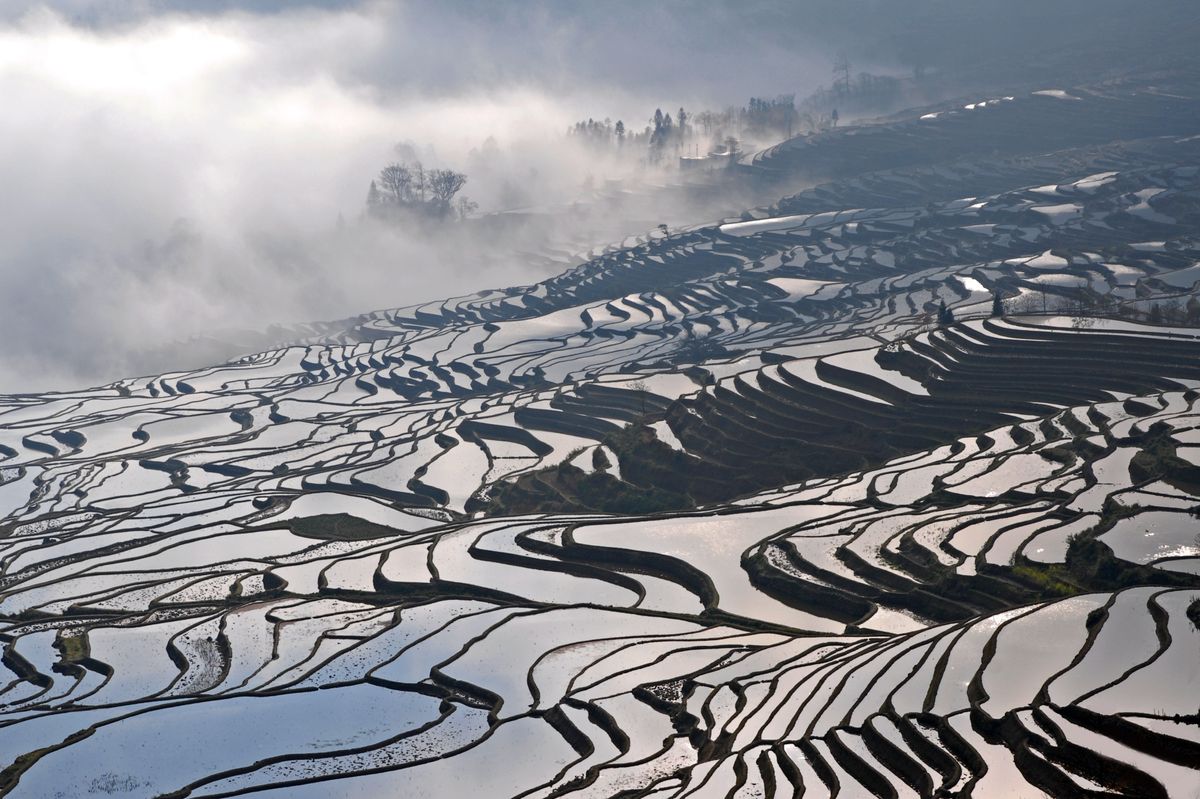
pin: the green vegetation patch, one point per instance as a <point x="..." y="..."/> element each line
<point x="74" y="648"/>
<point x="339" y="527"/>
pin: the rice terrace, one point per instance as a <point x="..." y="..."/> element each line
<point x="842" y="443"/>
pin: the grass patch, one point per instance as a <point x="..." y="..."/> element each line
<point x="74" y="648"/>
<point x="339" y="527"/>
<point x="1047" y="580"/>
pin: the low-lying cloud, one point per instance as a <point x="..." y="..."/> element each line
<point x="171" y="175"/>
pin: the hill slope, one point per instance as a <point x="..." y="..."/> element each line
<point x="731" y="511"/>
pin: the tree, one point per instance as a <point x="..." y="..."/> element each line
<point x="620" y="131"/>
<point x="1156" y="315"/>
<point x="397" y="181"/>
<point x="1023" y="303"/>
<point x="790" y="116"/>
<point x="1108" y="305"/>
<point x="1192" y="309"/>
<point x="600" y="461"/>
<point x="945" y="316"/>
<point x="412" y="187"/>
<point x="642" y="389"/>
<point x="466" y="207"/>
<point x="420" y="181"/>
<point x="1172" y="312"/>
<point x="997" y="303"/>
<point x="663" y="131"/>
<point x="443" y="184"/>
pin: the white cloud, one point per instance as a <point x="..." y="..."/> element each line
<point x="259" y="130"/>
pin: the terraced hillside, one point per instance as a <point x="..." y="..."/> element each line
<point x="889" y="489"/>
<point x="1028" y="122"/>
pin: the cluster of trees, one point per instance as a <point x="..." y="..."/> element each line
<point x="1172" y="312"/>
<point x="412" y="189"/>
<point x="1087" y="306"/>
<point x="863" y="91"/>
<point x="660" y="133"/>
<point x="663" y="131"/>
<point x="1083" y="308"/>
<point x="849" y="91"/>
<point x="600" y="134"/>
<point x="761" y="119"/>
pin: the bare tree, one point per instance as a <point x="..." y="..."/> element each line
<point x="420" y="181"/>
<point x="1024" y="303"/>
<point x="396" y="181"/>
<point x="1082" y="322"/>
<point x="640" y="387"/>
<point x="413" y="187"/>
<point x="466" y="206"/>
<point x="443" y="184"/>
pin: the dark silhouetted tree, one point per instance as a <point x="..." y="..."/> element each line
<point x="396" y="181"/>
<point x="997" y="303"/>
<point x="411" y="187"/>
<point x="1192" y="309"/>
<point x="442" y="185"/>
<point x="945" y="316"/>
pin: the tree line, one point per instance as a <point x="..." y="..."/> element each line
<point x="1084" y="306"/>
<point x="716" y="131"/>
<point x="761" y="120"/>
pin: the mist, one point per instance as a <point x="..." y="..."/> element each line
<point x="177" y="182"/>
<point x="173" y="177"/>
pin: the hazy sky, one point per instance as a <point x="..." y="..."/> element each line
<point x="169" y="172"/>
